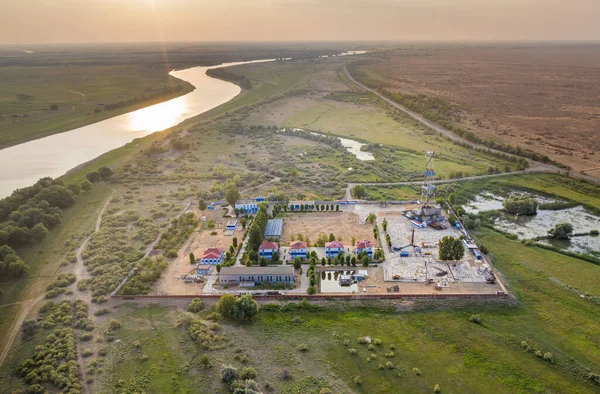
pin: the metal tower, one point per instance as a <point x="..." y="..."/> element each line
<point x="428" y="188"/>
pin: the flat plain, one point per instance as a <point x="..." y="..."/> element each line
<point x="542" y="97"/>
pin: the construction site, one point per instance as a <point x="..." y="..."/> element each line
<point x="415" y="231"/>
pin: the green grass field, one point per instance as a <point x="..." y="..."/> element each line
<point x="27" y="94"/>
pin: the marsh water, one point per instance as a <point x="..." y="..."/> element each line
<point x="527" y="227"/>
<point x="22" y="165"/>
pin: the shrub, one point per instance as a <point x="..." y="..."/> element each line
<point x="86" y="336"/>
<point x="228" y="373"/>
<point x="357" y="380"/>
<point x="389" y="354"/>
<point x="248" y="373"/>
<point x="416" y="371"/>
<point x="437" y="389"/>
<point x="520" y="205"/>
<point x="196" y="305"/>
<point x="114" y="325"/>
<point x="102" y="311"/>
<point x="371" y="347"/>
<point x="381" y="366"/>
<point x="205" y="361"/>
<point x="311" y="290"/>
<point x="392" y="347"/>
<point x="87" y="353"/>
<point x="389" y="365"/>
<point x="352" y="351"/>
<point x="171" y="253"/>
<point x="377" y="341"/>
<point x="303" y="347"/>
<point x="548" y="357"/>
<point x="594" y="232"/>
<point x="475" y="318"/>
<point x="363" y="340"/>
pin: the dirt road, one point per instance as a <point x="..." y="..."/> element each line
<point x="435" y="127"/>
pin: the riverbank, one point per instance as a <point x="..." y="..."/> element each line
<point x="36" y="102"/>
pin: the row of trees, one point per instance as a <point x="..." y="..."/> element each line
<point x="27" y="215"/>
<point x="256" y="232"/>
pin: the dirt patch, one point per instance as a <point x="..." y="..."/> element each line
<point x="544" y="98"/>
<point x="200" y="240"/>
<point x="344" y="225"/>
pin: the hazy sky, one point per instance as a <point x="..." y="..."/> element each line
<point x="58" y="21"/>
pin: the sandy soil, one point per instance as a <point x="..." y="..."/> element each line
<point x="542" y="98"/>
<point x="343" y="224"/>
<point x="197" y="243"/>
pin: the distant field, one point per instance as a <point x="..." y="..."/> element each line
<point x="39" y="101"/>
<point x="316" y="97"/>
<point x="543" y="98"/>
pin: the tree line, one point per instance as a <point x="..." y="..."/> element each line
<point x="28" y="214"/>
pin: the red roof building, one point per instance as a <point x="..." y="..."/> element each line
<point x="296" y="245"/>
<point x="268" y="246"/>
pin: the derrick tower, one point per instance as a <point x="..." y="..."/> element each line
<point x="428" y="188"/>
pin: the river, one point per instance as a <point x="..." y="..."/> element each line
<point x="22" y="165"/>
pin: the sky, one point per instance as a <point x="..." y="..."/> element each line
<point x="91" y="21"/>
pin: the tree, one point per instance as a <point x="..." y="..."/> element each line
<point x="275" y="256"/>
<point x="384" y="224"/>
<point x="337" y="208"/>
<point x="38" y="232"/>
<point x="245" y="308"/>
<point x="93" y="176"/>
<point x="234" y="241"/>
<point x="365" y="260"/>
<point x="192" y="258"/>
<point x="262" y="261"/>
<point x="105" y="172"/>
<point x="371" y="218"/>
<point x="451" y="248"/>
<point x="225" y="305"/>
<point x="86" y="185"/>
<point x="331" y="237"/>
<point x="231" y="249"/>
<point x="359" y="191"/>
<point x="232" y="195"/>
<point x="201" y="204"/>
<point x="561" y="231"/>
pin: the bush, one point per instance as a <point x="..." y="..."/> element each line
<point x="389" y="365"/>
<point x="520" y="205"/>
<point x="228" y="373"/>
<point x="303" y="347"/>
<point x="311" y="290"/>
<point x="171" y="253"/>
<point x="102" y="311"/>
<point x="248" y="373"/>
<point x="390" y="354"/>
<point x="357" y="380"/>
<point x="416" y="371"/>
<point x="114" y="325"/>
<point x="381" y="366"/>
<point x="595" y="232"/>
<point x="437" y="389"/>
<point x="549" y="357"/>
<point x="475" y="318"/>
<point x="196" y="305"/>
<point x="352" y="351"/>
<point x="561" y="231"/>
